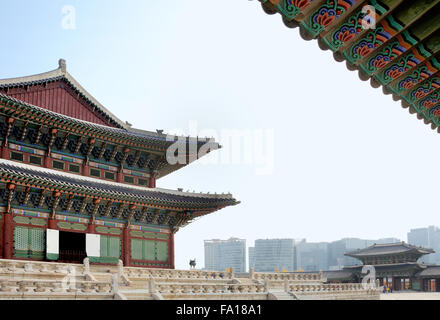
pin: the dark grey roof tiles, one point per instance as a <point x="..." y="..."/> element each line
<point x="430" y="271"/>
<point x="385" y="249"/>
<point x="389" y="267"/>
<point x="32" y="82"/>
<point x="117" y="189"/>
<point x="129" y="132"/>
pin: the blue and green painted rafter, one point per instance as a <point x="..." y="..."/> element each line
<point x="393" y="43"/>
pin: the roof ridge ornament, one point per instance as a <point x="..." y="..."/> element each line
<point x="62" y="65"/>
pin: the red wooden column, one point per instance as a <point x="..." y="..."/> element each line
<point x="126" y="245"/>
<point x="152" y="180"/>
<point x="52" y="223"/>
<point x="5" y="151"/>
<point x="2" y="223"/>
<point x="8" y="227"/>
<point x="171" y="249"/>
<point x="91" y="228"/>
<point x="8" y="236"/>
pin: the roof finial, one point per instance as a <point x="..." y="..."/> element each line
<point x="62" y="65"/>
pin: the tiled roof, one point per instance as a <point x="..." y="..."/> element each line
<point x="61" y="74"/>
<point x="429" y="272"/>
<point x="130" y="132"/>
<point x="389" y="267"/>
<point x="88" y="185"/>
<point x="390" y="248"/>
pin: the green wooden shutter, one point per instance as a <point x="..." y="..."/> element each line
<point x="149" y="250"/>
<point x="114" y="247"/>
<point x="37" y="245"/>
<point x="29" y="242"/>
<point x="136" y="249"/>
<point x="38" y="239"/>
<point x="104" y="251"/>
<point x="161" y="251"/>
<point x="21" y="240"/>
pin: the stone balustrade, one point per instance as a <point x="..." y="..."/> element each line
<point x="333" y="289"/>
<point x="53" y="286"/>
<point x="27" y="267"/>
<point x="298" y="276"/>
<point x="167" y="288"/>
<point x="133" y="272"/>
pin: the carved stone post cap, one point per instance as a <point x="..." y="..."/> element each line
<point x="86" y="263"/>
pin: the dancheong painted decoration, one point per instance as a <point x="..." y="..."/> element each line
<point x="392" y="43"/>
<point x="76" y="181"/>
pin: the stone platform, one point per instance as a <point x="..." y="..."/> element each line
<point x="25" y="280"/>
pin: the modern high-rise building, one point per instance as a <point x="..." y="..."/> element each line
<point x="223" y="254"/>
<point x="251" y="257"/>
<point x="312" y="256"/>
<point x="274" y="254"/>
<point x="429" y="238"/>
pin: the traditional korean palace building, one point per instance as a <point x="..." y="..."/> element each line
<point x="392" y="43"/>
<point x="76" y="181"/>
<point x="396" y="265"/>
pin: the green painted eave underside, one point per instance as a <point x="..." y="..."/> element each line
<point x="403" y="29"/>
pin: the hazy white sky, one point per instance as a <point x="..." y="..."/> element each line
<point x="348" y="160"/>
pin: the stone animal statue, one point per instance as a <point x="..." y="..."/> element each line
<point x="192" y="264"/>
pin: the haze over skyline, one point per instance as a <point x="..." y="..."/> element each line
<point x="348" y="160"/>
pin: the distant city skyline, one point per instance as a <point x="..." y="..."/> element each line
<point x="288" y="254"/>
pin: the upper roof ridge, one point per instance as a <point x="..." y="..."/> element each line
<point x="57" y="74"/>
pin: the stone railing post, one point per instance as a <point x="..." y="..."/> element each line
<point x="86" y="263"/>
<point x="251" y="273"/>
<point x="115" y="284"/>
<point x="232" y="273"/>
<point x="88" y="275"/>
<point x="286" y="285"/>
<point x="28" y="267"/>
<point x="151" y="286"/>
<point x="120" y="268"/>
<point x="121" y="276"/>
<point x="266" y="285"/>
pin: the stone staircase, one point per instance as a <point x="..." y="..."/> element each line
<point x="48" y="280"/>
<point x="280" y="295"/>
